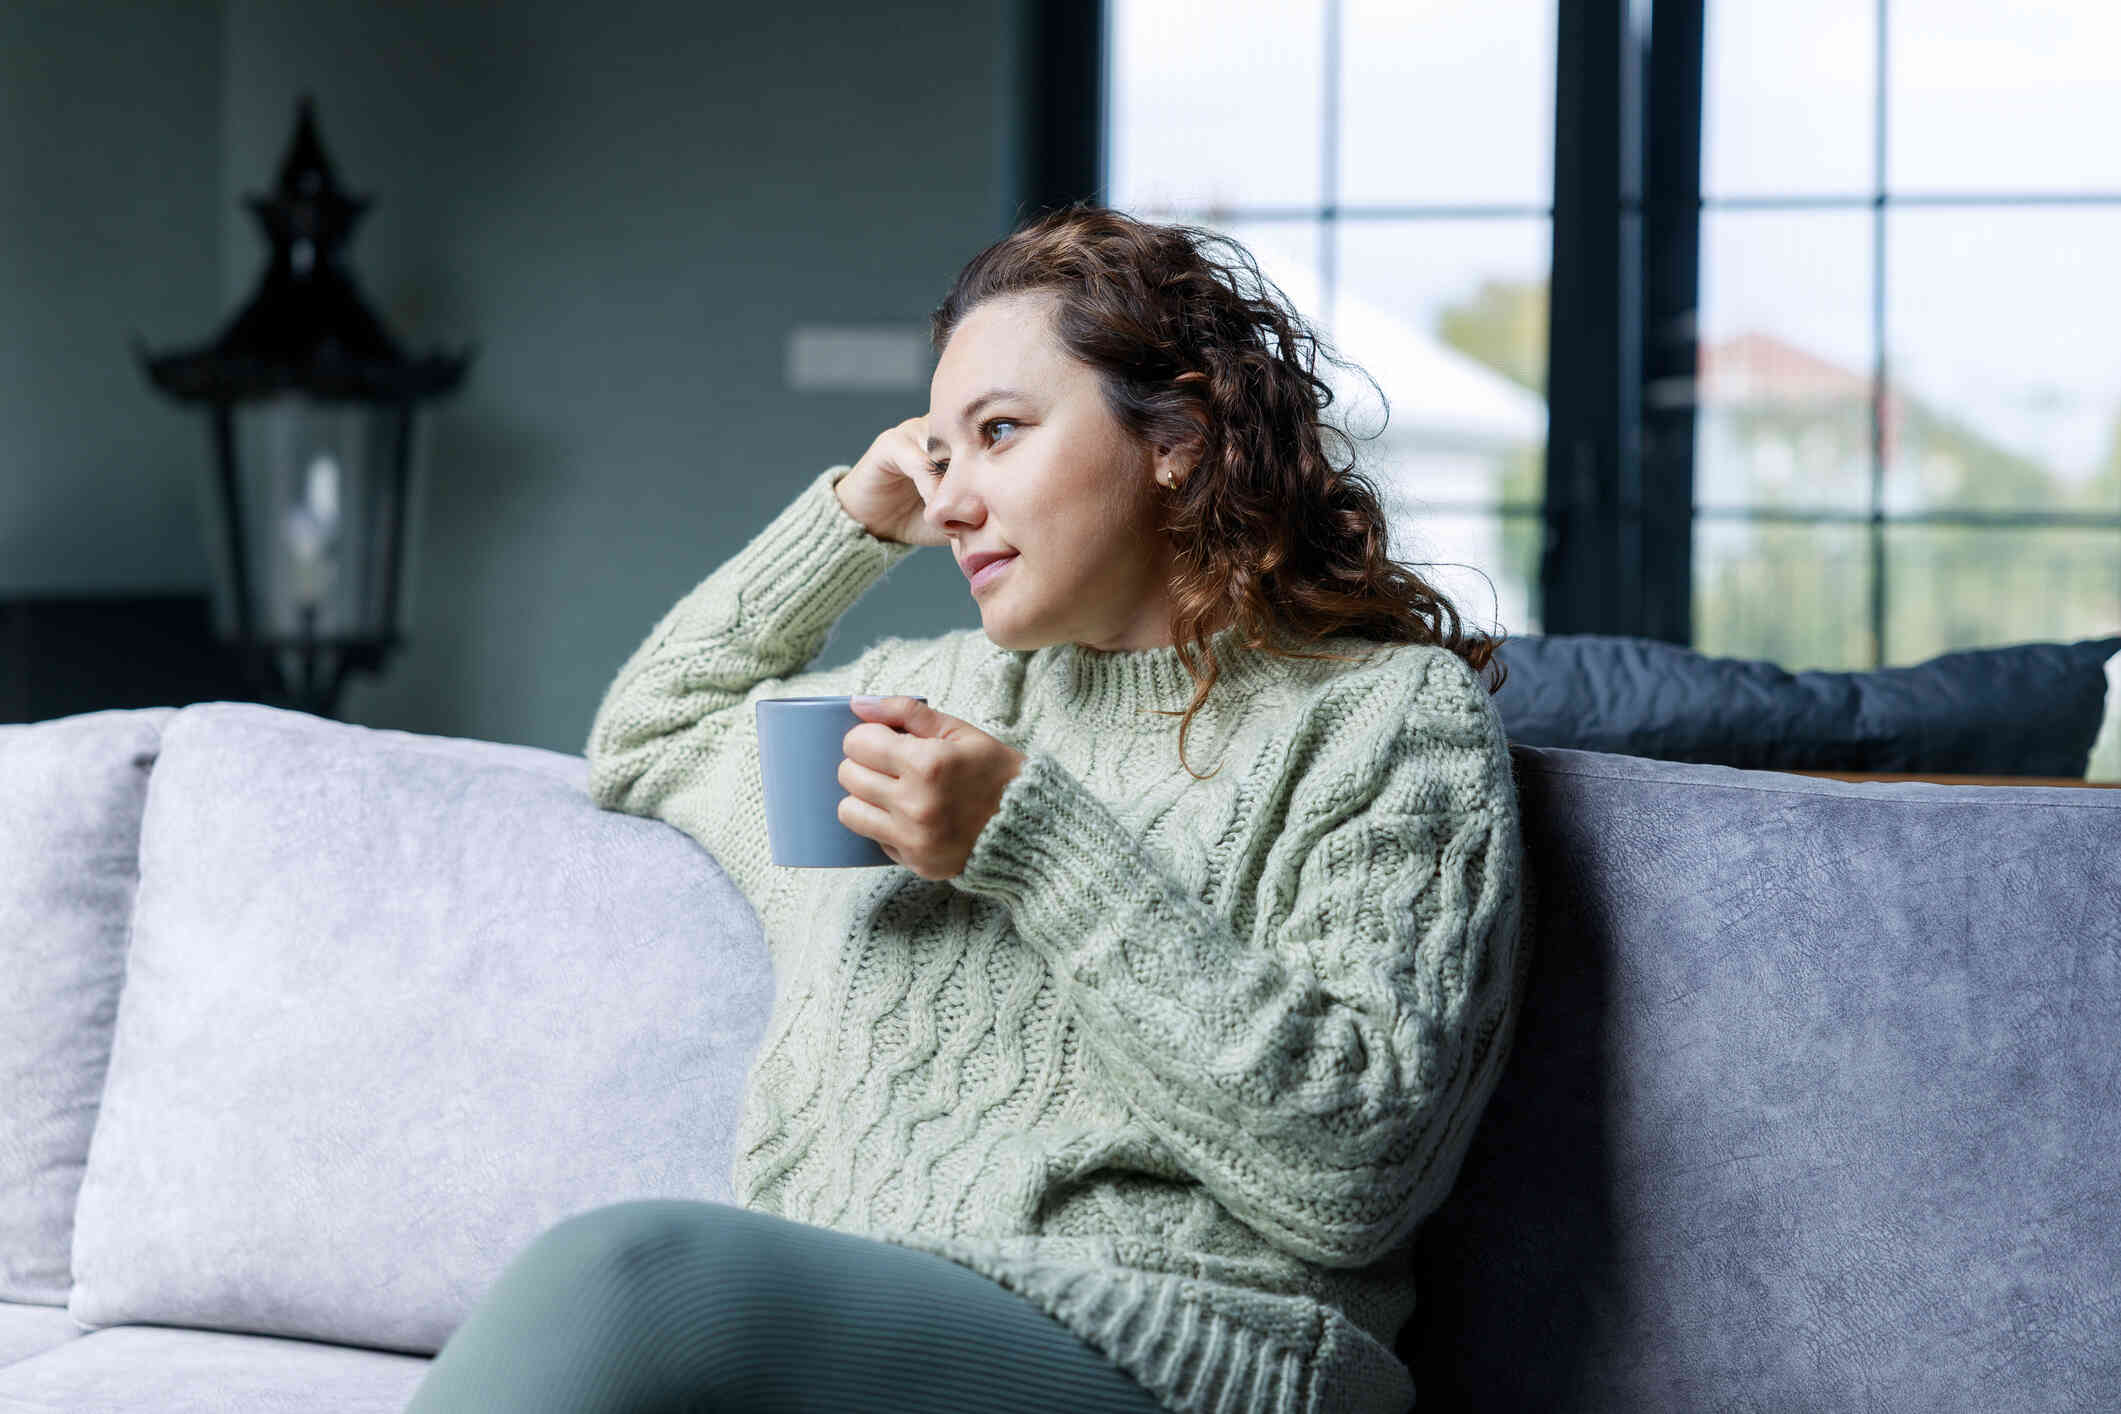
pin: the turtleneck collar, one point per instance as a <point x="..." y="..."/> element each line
<point x="1124" y="689"/>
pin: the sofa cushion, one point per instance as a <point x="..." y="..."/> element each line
<point x="397" y="1004"/>
<point x="27" y="1330"/>
<point x="154" y="1370"/>
<point x="1811" y="1104"/>
<point x="71" y="791"/>
<point x="2031" y="709"/>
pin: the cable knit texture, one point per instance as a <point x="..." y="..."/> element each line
<point x="1181" y="1061"/>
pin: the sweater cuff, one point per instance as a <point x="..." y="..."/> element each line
<point x="1065" y="865"/>
<point x="795" y="578"/>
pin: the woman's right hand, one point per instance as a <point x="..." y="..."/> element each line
<point x="883" y="492"/>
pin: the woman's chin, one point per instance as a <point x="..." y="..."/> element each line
<point x="1002" y="633"/>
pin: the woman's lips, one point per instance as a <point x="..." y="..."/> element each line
<point x="988" y="571"/>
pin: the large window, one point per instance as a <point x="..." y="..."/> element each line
<point x="1838" y="379"/>
<point x="1909" y="393"/>
<point x="1390" y="166"/>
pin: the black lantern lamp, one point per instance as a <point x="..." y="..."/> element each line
<point x="312" y="406"/>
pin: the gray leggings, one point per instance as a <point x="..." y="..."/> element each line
<point x="669" y="1306"/>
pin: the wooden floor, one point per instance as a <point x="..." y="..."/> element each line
<point x="1964" y="780"/>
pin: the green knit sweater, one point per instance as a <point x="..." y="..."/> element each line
<point x="1182" y="1061"/>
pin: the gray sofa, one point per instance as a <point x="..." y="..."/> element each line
<point x="307" y="1028"/>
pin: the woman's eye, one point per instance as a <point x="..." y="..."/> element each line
<point x="938" y="468"/>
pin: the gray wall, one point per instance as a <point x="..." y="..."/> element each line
<point x="627" y="206"/>
<point x="110" y="125"/>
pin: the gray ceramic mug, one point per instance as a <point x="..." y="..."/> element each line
<point x="799" y="761"/>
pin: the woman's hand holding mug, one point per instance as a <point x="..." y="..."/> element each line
<point x="921" y="783"/>
<point x="883" y="491"/>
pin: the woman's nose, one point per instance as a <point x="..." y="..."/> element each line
<point x="949" y="501"/>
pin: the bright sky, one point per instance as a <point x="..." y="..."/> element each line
<point x="2010" y="314"/>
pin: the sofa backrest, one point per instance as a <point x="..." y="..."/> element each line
<point x="1812" y="1101"/>
<point x="71" y="793"/>
<point x="395" y="1004"/>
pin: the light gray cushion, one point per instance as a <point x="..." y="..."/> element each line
<point x="70" y="798"/>
<point x="397" y="1004"/>
<point x="31" y="1330"/>
<point x="152" y="1370"/>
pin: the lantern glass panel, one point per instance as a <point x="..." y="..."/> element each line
<point x="317" y="485"/>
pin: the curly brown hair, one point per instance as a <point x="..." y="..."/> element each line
<point x="1275" y="536"/>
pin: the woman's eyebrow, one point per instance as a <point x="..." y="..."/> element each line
<point x="991" y="395"/>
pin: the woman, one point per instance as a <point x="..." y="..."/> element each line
<point x="1125" y="1088"/>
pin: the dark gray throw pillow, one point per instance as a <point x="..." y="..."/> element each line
<point x="2029" y="709"/>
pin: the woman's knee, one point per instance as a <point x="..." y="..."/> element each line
<point x="686" y="1296"/>
<point x="605" y="1246"/>
<point x="714" y="1261"/>
<point x="619" y="1230"/>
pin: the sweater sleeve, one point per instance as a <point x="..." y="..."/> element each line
<point x="676" y="736"/>
<point x="1320" y="1069"/>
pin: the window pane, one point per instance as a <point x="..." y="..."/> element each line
<point x="1990" y="97"/>
<point x="1783" y="415"/>
<point x="1483" y="565"/>
<point x="1214" y="104"/>
<point x="1789" y="97"/>
<point x="1450" y="318"/>
<point x="2004" y="325"/>
<point x="1290" y="253"/>
<point x="1448" y="103"/>
<point x="1958" y="586"/>
<point x="1795" y="595"/>
<point x="1471" y="292"/>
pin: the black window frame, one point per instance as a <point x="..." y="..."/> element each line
<point x="1618" y="555"/>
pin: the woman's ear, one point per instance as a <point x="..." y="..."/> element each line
<point x="1175" y="464"/>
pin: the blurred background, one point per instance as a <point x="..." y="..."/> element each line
<point x="1781" y="330"/>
